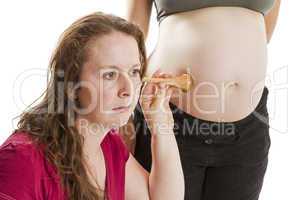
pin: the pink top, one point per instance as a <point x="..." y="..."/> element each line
<point x="25" y="174"/>
<point x="116" y="156"/>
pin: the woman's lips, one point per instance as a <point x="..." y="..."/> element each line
<point x="122" y="108"/>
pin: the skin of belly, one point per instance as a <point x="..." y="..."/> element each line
<point x="225" y="50"/>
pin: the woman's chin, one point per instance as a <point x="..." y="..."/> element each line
<point x="124" y="120"/>
<point x="119" y="121"/>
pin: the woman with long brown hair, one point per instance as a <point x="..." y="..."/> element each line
<point x="68" y="145"/>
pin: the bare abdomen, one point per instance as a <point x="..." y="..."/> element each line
<point x="224" y="48"/>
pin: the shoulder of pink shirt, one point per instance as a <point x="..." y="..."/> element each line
<point x="24" y="171"/>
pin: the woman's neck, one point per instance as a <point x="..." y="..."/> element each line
<point x="93" y="134"/>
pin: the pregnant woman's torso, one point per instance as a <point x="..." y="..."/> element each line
<point x="224" y="48"/>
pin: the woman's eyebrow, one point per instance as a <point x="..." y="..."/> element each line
<point x="121" y="68"/>
<point x="136" y="65"/>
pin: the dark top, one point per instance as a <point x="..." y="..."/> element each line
<point x="168" y="7"/>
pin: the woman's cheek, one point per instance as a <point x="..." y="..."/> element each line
<point x="106" y="92"/>
<point x="107" y="85"/>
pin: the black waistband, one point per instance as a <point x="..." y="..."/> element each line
<point x="188" y="125"/>
<point x="261" y="105"/>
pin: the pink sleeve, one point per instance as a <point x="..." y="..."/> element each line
<point x="16" y="174"/>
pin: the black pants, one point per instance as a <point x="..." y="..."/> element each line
<point x="220" y="160"/>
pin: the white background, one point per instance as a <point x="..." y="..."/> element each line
<point x="29" y="32"/>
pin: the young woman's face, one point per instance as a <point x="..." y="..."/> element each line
<point x="111" y="78"/>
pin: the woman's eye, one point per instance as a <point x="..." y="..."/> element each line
<point x="110" y="75"/>
<point x="136" y="72"/>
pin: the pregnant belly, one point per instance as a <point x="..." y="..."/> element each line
<point x="226" y="55"/>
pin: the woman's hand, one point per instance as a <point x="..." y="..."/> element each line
<point x="154" y="102"/>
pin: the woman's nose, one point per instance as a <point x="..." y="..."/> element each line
<point x="124" y="93"/>
<point x="126" y="86"/>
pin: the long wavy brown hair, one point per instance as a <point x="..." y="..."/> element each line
<point x="51" y="122"/>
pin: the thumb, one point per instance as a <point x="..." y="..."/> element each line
<point x="161" y="95"/>
<point x="169" y="93"/>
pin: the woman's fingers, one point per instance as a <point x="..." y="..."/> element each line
<point x="156" y="94"/>
<point x="149" y="87"/>
<point x="148" y="92"/>
<point x="169" y="93"/>
<point x="169" y="88"/>
<point x="147" y="95"/>
<point x="160" y="95"/>
<point x="155" y="104"/>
